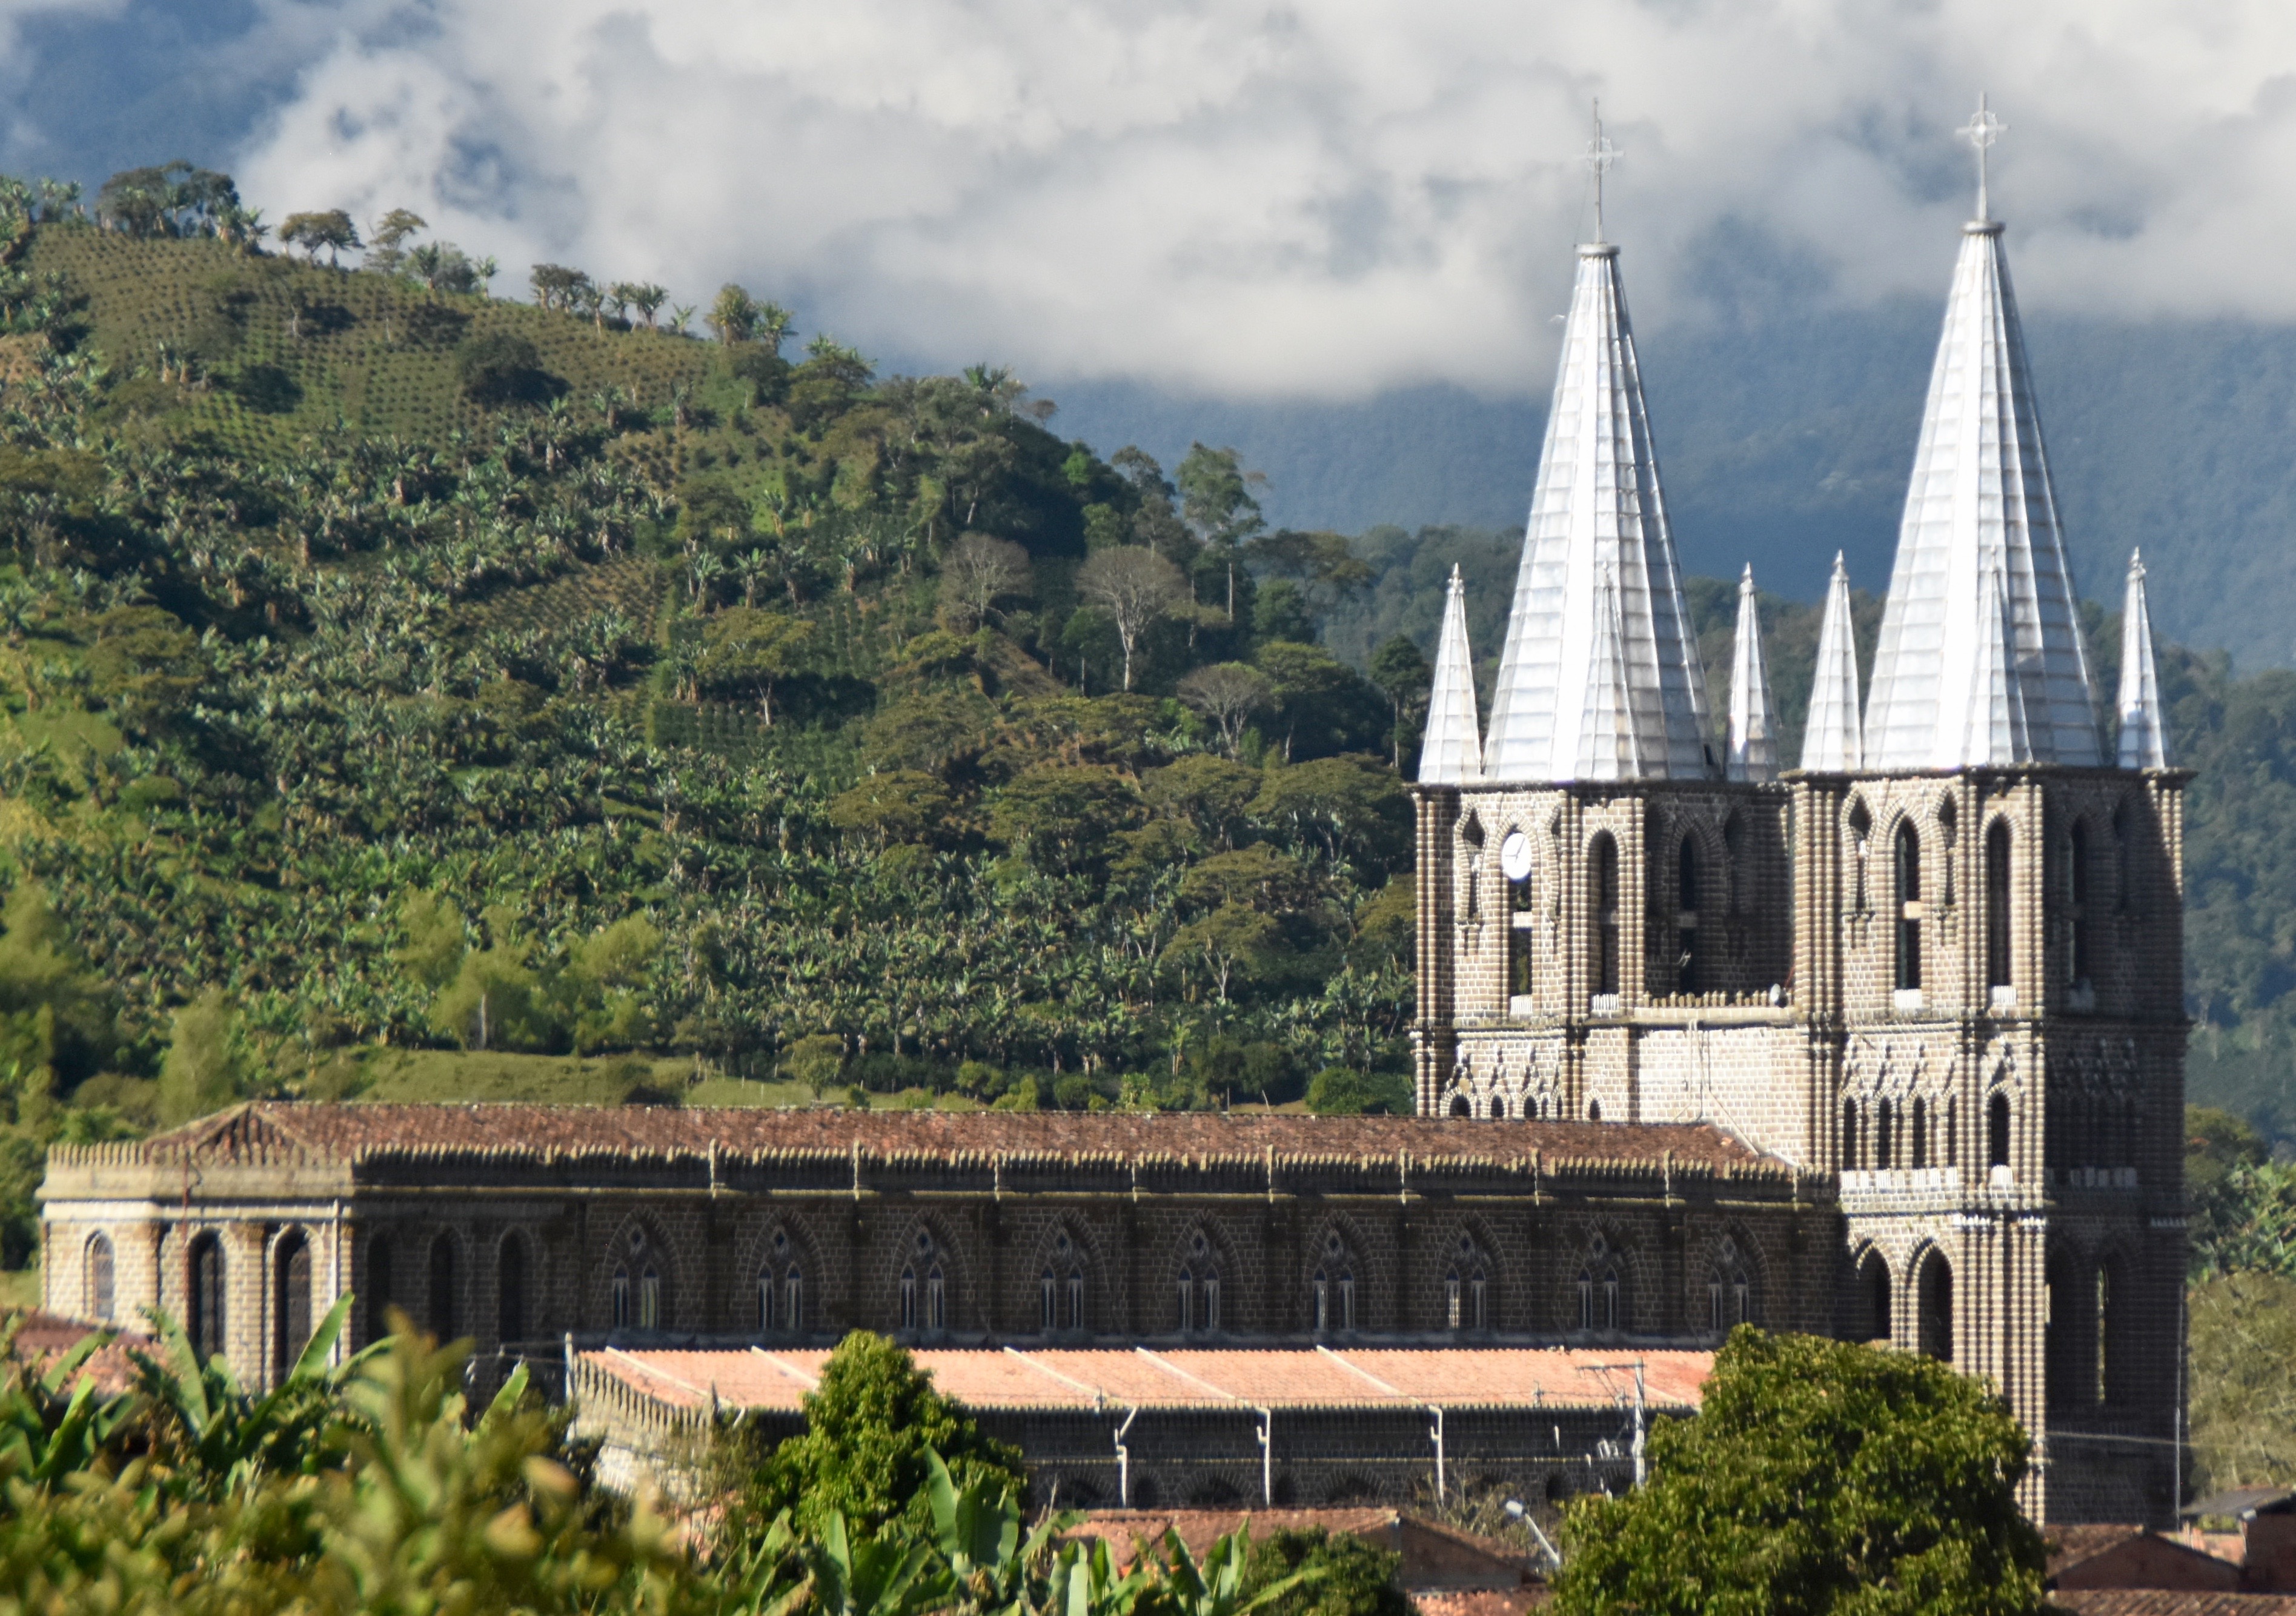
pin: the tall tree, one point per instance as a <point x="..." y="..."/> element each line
<point x="387" y="238"/>
<point x="1399" y="669"/>
<point x="1136" y="587"/>
<point x="977" y="572"/>
<point x="733" y="315"/>
<point x="1819" y="1478"/>
<point x="1217" y="503"/>
<point x="331" y="230"/>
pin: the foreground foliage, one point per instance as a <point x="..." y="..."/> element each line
<point x="1818" y="1477"/>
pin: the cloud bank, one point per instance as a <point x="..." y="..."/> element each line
<point x="1312" y="200"/>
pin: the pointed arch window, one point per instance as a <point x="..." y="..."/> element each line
<point x="1997" y="1130"/>
<point x="936" y="1300"/>
<point x="1849" y="1141"/>
<point x="290" y="1302"/>
<point x="650" y="1298"/>
<point x="1048" y="1301"/>
<point x="509" y="1289"/>
<point x="1935" y="1296"/>
<point x="101" y="1282"/>
<point x="206" y="1295"/>
<point x="1514" y="863"/>
<point x="1585" y="1299"/>
<point x="1686" y="920"/>
<point x="1455" y="1300"/>
<point x="1918" y="1136"/>
<point x="1076" y="1299"/>
<point x="442" y="1319"/>
<point x="1334" y="1288"/>
<point x="2076" y="894"/>
<point x="1996" y="906"/>
<point x="378" y="1289"/>
<point x="1611" y="1309"/>
<point x="1908" y="864"/>
<point x="1603" y="900"/>
<point x="1861" y="846"/>
<point x="908" y="1299"/>
<point x="1187" y="1301"/>
<point x="1885" y="1134"/>
<point x="620" y="1298"/>
<point x="1874" y="1291"/>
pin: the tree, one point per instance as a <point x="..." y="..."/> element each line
<point x="499" y="367"/>
<point x="1400" y="670"/>
<point x="2241" y="1335"/>
<point x="1342" y="1091"/>
<point x="1320" y="700"/>
<point x="1136" y="587"/>
<point x="1230" y="942"/>
<point x="207" y="1066"/>
<point x="871" y="1425"/>
<point x="977" y="572"/>
<point x="900" y="805"/>
<point x="1326" y="571"/>
<point x="746" y="651"/>
<point x="558" y="286"/>
<point x="1216" y="501"/>
<point x="1228" y="694"/>
<point x="1819" y="1477"/>
<point x="1339" y="1574"/>
<point x="386" y="238"/>
<point x="643" y="296"/>
<point x="733" y="315"/>
<point x="332" y="230"/>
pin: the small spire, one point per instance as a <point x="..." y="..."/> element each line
<point x="1608" y="746"/>
<point x="1994" y="727"/>
<point x="1753" y="735"/>
<point x="1981" y="131"/>
<point x="1453" y="753"/>
<point x="1833" y="741"/>
<point x="2144" y="727"/>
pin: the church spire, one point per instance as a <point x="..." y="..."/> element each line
<point x="1609" y="748"/>
<point x="2143" y="729"/>
<point x="1753" y="734"/>
<point x="1980" y="507"/>
<point x="1833" y="743"/>
<point x="1453" y="753"/>
<point x="1597" y="511"/>
<point x="1996" y="727"/>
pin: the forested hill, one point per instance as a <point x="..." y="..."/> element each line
<point x="386" y="663"/>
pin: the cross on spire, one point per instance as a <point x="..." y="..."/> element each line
<point x="1982" y="129"/>
<point x="1601" y="154"/>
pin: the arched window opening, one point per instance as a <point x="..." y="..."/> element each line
<point x="1048" y="1294"/>
<point x="1874" y="1291"/>
<point x="1910" y="909"/>
<point x="1610" y="1300"/>
<point x="1461" y="1106"/>
<point x="793" y="1300"/>
<point x="1470" y="835"/>
<point x="1936" y="1299"/>
<point x="509" y="1290"/>
<point x="1514" y="863"/>
<point x="290" y="1302"/>
<point x="2077" y="884"/>
<point x="1455" y="1300"/>
<point x="1187" y="1298"/>
<point x="1996" y="1131"/>
<point x="650" y="1300"/>
<point x="100" y="1285"/>
<point x="1861" y="850"/>
<point x="1076" y="1299"/>
<point x="1479" y="1296"/>
<point x="379" y="1297"/>
<point x="1921" y="1134"/>
<point x="2101" y="1382"/>
<point x="1585" y="1299"/>
<point x="936" y="1300"/>
<point x="441" y="1316"/>
<point x="908" y="1299"/>
<point x="769" y="1302"/>
<point x="1686" y="920"/>
<point x="1952" y="1132"/>
<point x="1593" y="1111"/>
<point x="1211" y="1300"/>
<point x="1602" y="898"/>
<point x="205" y="1297"/>
<point x="1997" y="905"/>
<point x="1885" y="1131"/>
<point x="621" y="1299"/>
<point x="1850" y="1161"/>
<point x="1948" y="829"/>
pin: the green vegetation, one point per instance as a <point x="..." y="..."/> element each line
<point x="369" y="1487"/>
<point x="1818" y="1477"/>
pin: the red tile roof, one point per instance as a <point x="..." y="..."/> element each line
<point x="1454" y="1377"/>
<point x="44" y="1337"/>
<point x="337" y="1132"/>
<point x="1479" y="1601"/>
<point x="2158" y="1602"/>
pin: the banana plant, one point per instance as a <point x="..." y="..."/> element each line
<point x="977" y="1532"/>
<point x="1217" y="1585"/>
<point x="52" y="1420"/>
<point x="223" y="1439"/>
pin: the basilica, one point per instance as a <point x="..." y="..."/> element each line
<point x="1884" y="1043"/>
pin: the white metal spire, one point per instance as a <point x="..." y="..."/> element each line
<point x="1753" y="753"/>
<point x="1833" y="741"/>
<point x="1996" y="728"/>
<point x="1597" y="509"/>
<point x="1453" y="751"/>
<point x="1979" y="507"/>
<point x="1609" y="748"/>
<point x="2144" y="727"/>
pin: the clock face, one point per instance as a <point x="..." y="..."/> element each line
<point x="1515" y="855"/>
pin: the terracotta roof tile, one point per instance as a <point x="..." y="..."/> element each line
<point x="2157" y="1601"/>
<point x="1455" y="1377"/>
<point x="2069" y="1545"/>
<point x="44" y="1337"/>
<point x="1479" y="1601"/>
<point x="340" y="1131"/>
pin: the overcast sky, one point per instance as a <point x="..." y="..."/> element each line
<point x="1319" y="200"/>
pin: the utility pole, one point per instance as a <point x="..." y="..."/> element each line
<point x="1642" y="1399"/>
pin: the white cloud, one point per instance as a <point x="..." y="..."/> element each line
<point x="1322" y="199"/>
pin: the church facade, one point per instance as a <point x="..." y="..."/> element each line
<point x="1940" y="962"/>
<point x="1888" y="1045"/>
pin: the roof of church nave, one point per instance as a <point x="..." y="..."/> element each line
<point x="264" y="1130"/>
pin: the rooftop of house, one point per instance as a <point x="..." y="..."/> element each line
<point x="1089" y="1379"/>
<point x="340" y="1132"/>
<point x="41" y="1339"/>
<point x="2167" y="1602"/>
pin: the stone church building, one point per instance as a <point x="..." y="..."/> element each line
<point x="1888" y="1045"/>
